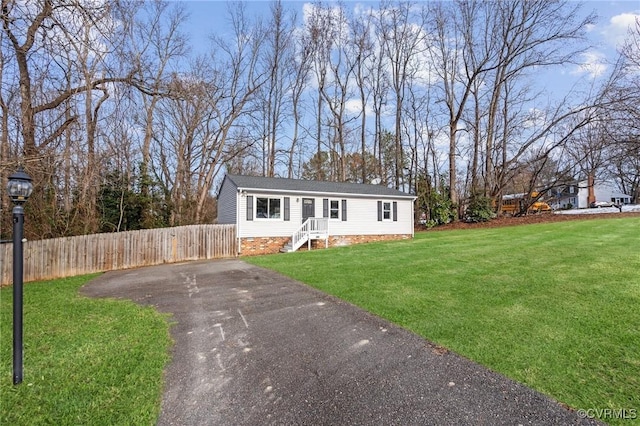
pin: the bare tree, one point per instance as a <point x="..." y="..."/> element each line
<point x="43" y="36"/>
<point x="236" y="79"/>
<point x="157" y="44"/>
<point x="622" y="118"/>
<point x="415" y="127"/>
<point x="402" y="41"/>
<point x="278" y="57"/>
<point x="361" y="53"/>
<point x="46" y="17"/>
<point x="526" y="35"/>
<point x="379" y="88"/>
<point x="458" y="65"/>
<point x="337" y="91"/>
<point x="299" y="65"/>
<point x="320" y="31"/>
<point x="182" y="132"/>
<point x="7" y="97"/>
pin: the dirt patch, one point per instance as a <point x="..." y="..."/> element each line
<point x="529" y="219"/>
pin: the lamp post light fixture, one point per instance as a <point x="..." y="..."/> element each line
<point x="19" y="187"/>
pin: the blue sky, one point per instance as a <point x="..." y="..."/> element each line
<point x="570" y="83"/>
<point x="614" y="17"/>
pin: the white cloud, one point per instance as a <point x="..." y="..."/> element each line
<point x="618" y="26"/>
<point x="593" y="63"/>
<point x="354" y="107"/>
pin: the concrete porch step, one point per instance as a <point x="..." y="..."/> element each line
<point x="286" y="249"/>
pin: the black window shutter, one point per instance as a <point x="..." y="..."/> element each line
<point x="325" y="207"/>
<point x="344" y="210"/>
<point x="379" y="211"/>
<point x="395" y="211"/>
<point x="249" y="207"/>
<point x="286" y="208"/>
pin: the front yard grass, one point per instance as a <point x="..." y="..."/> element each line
<point x="554" y="306"/>
<point x="86" y="361"/>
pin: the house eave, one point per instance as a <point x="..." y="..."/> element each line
<point x="336" y="194"/>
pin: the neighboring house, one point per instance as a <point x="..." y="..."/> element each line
<point x="576" y="195"/>
<point x="563" y="197"/>
<point x="275" y="214"/>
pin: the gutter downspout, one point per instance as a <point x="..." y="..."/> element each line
<point x="238" y="198"/>
<point x="413" y="217"/>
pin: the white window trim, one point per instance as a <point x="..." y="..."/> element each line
<point x="390" y="204"/>
<point x="339" y="210"/>
<point x="268" y="219"/>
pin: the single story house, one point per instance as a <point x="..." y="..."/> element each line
<point x="277" y="214"/>
<point x="576" y="195"/>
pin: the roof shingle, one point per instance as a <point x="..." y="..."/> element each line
<point x="282" y="184"/>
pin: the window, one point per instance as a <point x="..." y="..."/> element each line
<point x="386" y="211"/>
<point x="334" y="210"/>
<point x="267" y="208"/>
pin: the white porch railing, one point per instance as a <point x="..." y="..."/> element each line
<point x="312" y="229"/>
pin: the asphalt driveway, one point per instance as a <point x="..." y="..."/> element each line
<point x="253" y="347"/>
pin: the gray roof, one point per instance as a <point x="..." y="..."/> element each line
<point x="297" y="185"/>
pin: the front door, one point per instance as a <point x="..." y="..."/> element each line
<point x="308" y="208"/>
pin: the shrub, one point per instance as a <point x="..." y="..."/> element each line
<point x="479" y="209"/>
<point x="442" y="210"/>
<point x="433" y="203"/>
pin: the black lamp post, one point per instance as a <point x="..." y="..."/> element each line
<point x="19" y="187"/>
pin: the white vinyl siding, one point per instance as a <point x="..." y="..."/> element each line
<point x="361" y="213"/>
<point x="290" y="216"/>
<point x="358" y="214"/>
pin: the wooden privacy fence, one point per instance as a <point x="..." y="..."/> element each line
<point x="69" y="256"/>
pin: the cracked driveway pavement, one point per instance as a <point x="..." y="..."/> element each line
<point x="254" y="347"/>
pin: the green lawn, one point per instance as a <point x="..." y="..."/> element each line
<point x="86" y="361"/>
<point x="555" y="306"/>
